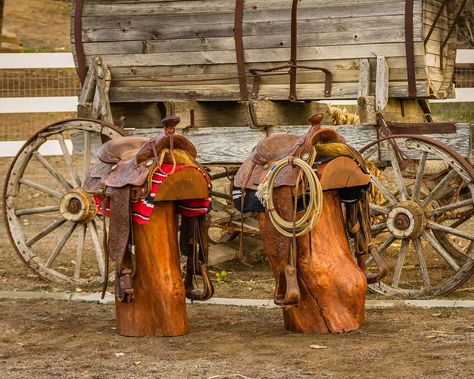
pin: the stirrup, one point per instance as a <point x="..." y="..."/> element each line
<point x="208" y="289"/>
<point x="374" y="277"/>
<point x="124" y="292"/>
<point x="287" y="294"/>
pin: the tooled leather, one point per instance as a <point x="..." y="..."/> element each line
<point x="273" y="148"/>
<point x="120" y="148"/>
<point x="119" y="224"/>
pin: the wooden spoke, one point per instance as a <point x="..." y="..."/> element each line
<point x="448" y="229"/>
<point x="97" y="247"/>
<point x="397" y="172"/>
<point x="369" y="154"/>
<point x="79" y="250"/>
<point x="465" y="217"/>
<point x="377" y="228"/>
<point x="39" y="210"/>
<point x="446" y="244"/>
<point x="56" y="224"/>
<point x="386" y="193"/>
<point x="86" y="156"/>
<point x="450" y="207"/>
<point x="384" y="246"/>
<point x="433" y="195"/>
<point x="419" y="176"/>
<point x="39" y="244"/>
<point x="378" y="209"/>
<point x="421" y="261"/>
<point x="62" y="241"/>
<point x="68" y="160"/>
<point x="55" y="173"/>
<point x="400" y="261"/>
<point x="441" y="250"/>
<point x="41" y="188"/>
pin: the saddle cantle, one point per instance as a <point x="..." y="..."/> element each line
<point x="123" y="173"/>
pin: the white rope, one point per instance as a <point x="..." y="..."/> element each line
<point x="312" y="212"/>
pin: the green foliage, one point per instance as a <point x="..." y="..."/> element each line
<point x="222" y="276"/>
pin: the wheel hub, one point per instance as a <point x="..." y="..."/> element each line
<point x="77" y="205"/>
<point x="406" y="220"/>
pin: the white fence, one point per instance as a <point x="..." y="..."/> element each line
<point x="69" y="103"/>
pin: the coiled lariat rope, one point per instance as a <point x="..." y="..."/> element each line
<point x="304" y="224"/>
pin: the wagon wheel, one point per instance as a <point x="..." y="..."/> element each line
<point x="221" y="217"/>
<point x="423" y="222"/>
<point x="46" y="211"/>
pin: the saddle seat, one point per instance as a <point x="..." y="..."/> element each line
<point x="121" y="149"/>
<point x="141" y="149"/>
<point x="274" y="148"/>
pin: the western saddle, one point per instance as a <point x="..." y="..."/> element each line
<point x="338" y="167"/>
<point x="123" y="174"/>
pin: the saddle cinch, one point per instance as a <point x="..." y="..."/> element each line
<point x="123" y="175"/>
<point x="338" y="167"/>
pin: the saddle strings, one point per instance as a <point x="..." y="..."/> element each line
<point x="106" y="246"/>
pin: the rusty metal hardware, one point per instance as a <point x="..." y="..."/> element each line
<point x="239" y="48"/>
<point x="79" y="46"/>
<point x="410" y="48"/>
<point x="450" y="31"/>
<point x="293" y="68"/>
<point x="435" y="21"/>
<point x="292" y="64"/>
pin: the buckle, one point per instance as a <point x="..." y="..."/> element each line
<point x="124" y="292"/>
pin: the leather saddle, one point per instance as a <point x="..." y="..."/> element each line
<point x="122" y="174"/>
<point x="338" y="166"/>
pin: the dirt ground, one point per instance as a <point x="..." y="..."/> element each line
<point x="63" y="339"/>
<point x="77" y="340"/>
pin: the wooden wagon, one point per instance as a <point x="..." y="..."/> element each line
<point x="236" y="71"/>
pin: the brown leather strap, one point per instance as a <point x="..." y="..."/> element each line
<point x="239" y="48"/>
<point x="242" y="199"/>
<point x="409" y="48"/>
<point x="106" y="247"/>
<point x="381" y="266"/>
<point x="119" y="228"/>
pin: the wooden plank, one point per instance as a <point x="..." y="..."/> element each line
<point x="35" y="60"/>
<point x="355" y="37"/>
<point x="227" y="145"/>
<point x="173" y="31"/>
<point x="260" y="55"/>
<point x="381" y="84"/>
<point x="204" y="6"/>
<point x="336" y="65"/>
<point x="124" y="20"/>
<point x="200" y="20"/>
<point x="231" y="92"/>
<point x="364" y="78"/>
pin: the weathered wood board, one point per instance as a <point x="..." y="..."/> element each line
<point x="185" y="50"/>
<point x="232" y="145"/>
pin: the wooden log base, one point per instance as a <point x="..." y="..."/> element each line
<point x="159" y="306"/>
<point x="332" y="286"/>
